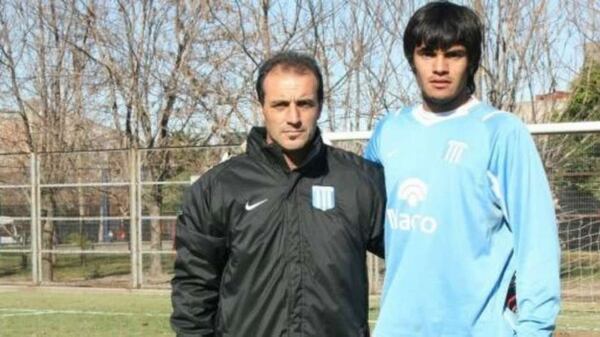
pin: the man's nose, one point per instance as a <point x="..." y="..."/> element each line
<point x="293" y="114"/>
<point x="440" y="65"/>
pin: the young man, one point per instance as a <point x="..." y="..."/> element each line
<point x="273" y="242"/>
<point x="469" y="205"/>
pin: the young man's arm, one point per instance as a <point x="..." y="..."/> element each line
<point x="201" y="256"/>
<point x="529" y="210"/>
<point x="371" y="153"/>
<point x="371" y="150"/>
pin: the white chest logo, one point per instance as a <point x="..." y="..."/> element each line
<point x="323" y="197"/>
<point x="413" y="191"/>
<point x="455" y="151"/>
<point x="250" y="207"/>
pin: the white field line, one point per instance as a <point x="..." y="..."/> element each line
<point x="82" y="290"/>
<point x="10" y="312"/>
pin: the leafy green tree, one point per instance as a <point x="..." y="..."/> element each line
<point x="584" y="104"/>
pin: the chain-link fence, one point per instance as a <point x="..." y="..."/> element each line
<point x="101" y="218"/>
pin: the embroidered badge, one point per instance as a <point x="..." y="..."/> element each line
<point x="323" y="197"/>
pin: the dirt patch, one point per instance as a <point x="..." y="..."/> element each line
<point x="577" y="334"/>
<point x="580" y="290"/>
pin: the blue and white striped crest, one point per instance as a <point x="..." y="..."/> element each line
<point x="323" y="197"/>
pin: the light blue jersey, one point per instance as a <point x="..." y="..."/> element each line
<point x="468" y="207"/>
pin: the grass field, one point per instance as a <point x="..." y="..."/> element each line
<point x="76" y="267"/>
<point x="65" y="312"/>
<point x="81" y="312"/>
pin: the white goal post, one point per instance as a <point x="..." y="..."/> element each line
<point x="535" y="129"/>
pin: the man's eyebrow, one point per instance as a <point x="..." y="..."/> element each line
<point x="279" y="101"/>
<point x="453" y="48"/>
<point x="425" y="49"/>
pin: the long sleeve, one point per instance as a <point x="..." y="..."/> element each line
<point x="371" y="151"/>
<point x="201" y="255"/>
<point x="527" y="205"/>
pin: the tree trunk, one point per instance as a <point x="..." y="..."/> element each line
<point x="155" y="232"/>
<point x="81" y="204"/>
<point x="48" y="233"/>
<point x="24" y="262"/>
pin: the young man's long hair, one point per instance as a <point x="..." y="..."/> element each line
<point x="442" y="24"/>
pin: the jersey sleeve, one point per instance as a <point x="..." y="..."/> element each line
<point x="372" y="151"/>
<point x="200" y="243"/>
<point x="528" y="207"/>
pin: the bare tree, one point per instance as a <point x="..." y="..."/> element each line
<point x="47" y="87"/>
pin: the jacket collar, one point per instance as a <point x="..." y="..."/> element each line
<point x="273" y="153"/>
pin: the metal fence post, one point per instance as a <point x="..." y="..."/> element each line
<point x="38" y="214"/>
<point x="33" y="220"/>
<point x="133" y="218"/>
<point x="35" y="255"/>
<point x="139" y="220"/>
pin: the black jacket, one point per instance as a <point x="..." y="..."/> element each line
<point x="262" y="252"/>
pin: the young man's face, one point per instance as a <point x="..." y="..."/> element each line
<point x="442" y="76"/>
<point x="291" y="108"/>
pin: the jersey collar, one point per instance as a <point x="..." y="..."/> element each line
<point x="428" y="118"/>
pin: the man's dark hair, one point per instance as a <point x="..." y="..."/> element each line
<point x="442" y="24"/>
<point x="289" y="60"/>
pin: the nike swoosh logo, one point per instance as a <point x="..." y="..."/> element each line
<point x="250" y="207"/>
